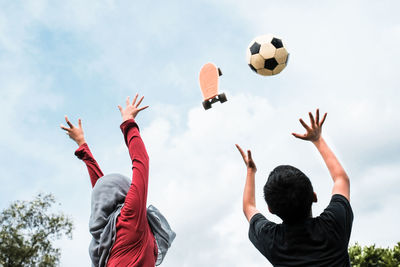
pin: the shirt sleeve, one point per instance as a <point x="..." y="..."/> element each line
<point x="136" y="199"/>
<point x="84" y="153"/>
<point x="339" y="215"/>
<point x="258" y="232"/>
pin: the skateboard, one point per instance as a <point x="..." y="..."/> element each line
<point x="209" y="74"/>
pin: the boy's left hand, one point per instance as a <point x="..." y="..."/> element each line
<point x="248" y="160"/>
<point x="313" y="133"/>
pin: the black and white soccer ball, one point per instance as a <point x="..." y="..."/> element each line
<point x="267" y="55"/>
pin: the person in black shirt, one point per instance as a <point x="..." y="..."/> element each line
<point x="300" y="240"/>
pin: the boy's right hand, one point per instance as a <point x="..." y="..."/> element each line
<point x="314" y="130"/>
<point x="248" y="160"/>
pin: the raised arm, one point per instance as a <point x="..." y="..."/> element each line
<point x="340" y="179"/>
<point x="249" y="200"/>
<point x="83" y="152"/>
<point x="135" y="202"/>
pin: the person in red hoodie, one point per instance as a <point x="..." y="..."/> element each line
<point x="134" y="243"/>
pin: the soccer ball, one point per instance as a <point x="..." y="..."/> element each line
<point x="267" y="55"/>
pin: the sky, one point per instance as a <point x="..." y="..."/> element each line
<point x="83" y="58"/>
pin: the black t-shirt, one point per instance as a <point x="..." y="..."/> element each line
<point x="319" y="241"/>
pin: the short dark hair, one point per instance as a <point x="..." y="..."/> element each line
<point x="289" y="193"/>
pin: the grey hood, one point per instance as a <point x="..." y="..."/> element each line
<point x="108" y="197"/>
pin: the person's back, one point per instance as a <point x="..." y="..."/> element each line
<point x="301" y="240"/>
<point x="319" y="241"/>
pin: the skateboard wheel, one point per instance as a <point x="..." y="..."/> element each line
<point x="219" y="72"/>
<point x="222" y="98"/>
<point x="206" y="105"/>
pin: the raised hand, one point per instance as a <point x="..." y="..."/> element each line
<point x="131" y="110"/>
<point x="248" y="160"/>
<point x="75" y="133"/>
<point x="314" y="130"/>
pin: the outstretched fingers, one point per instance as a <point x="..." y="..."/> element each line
<point x="140" y="101"/>
<point x="134" y="100"/>
<point x="323" y="120"/>
<point x="314" y="130"/>
<point x="241" y="152"/>
<point x="301" y="136"/>
<point x="304" y="125"/>
<point x="69" y="123"/>
<point x="132" y="108"/>
<point x="250" y="161"/>
<point x="142" y="108"/>
<point x="65" y="128"/>
<point x="319" y="123"/>
<point x="249" y="155"/>
<point x="311" y="119"/>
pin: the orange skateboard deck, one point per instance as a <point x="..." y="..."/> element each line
<point x="209" y="85"/>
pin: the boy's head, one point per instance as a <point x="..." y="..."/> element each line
<point x="289" y="193"/>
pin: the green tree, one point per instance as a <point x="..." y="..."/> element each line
<point x="27" y="230"/>
<point x="373" y="256"/>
